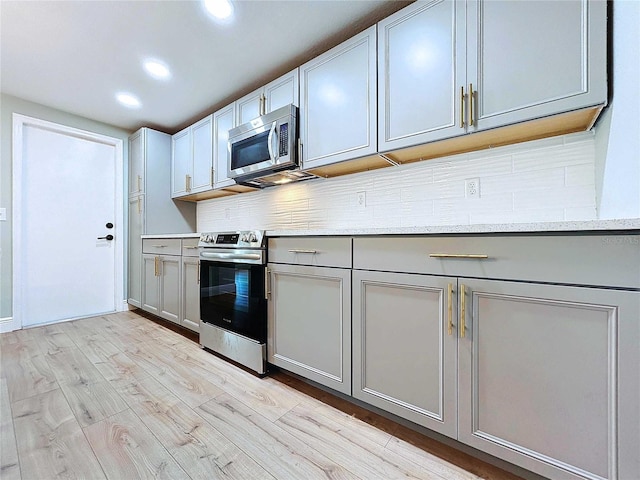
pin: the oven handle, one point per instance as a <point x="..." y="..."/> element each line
<point x="231" y="256"/>
<point x="272" y="131"/>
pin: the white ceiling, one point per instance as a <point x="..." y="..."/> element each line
<point x="75" y="55"/>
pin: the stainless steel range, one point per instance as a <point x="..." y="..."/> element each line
<point x="233" y="305"/>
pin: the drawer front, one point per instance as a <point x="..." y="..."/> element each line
<point x="320" y="251"/>
<point x="599" y="260"/>
<point x="190" y="247"/>
<point x="161" y="246"/>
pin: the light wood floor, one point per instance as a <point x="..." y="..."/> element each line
<point x="123" y="397"/>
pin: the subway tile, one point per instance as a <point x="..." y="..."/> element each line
<point x="522" y="181"/>
<point x="554" y="198"/>
<point x="577" y="175"/>
<point x="580" y="213"/>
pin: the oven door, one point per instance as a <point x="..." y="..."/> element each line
<point x="232" y="296"/>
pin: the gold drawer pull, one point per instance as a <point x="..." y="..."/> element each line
<point x="463" y="311"/>
<point x="450" y="308"/>
<point x="297" y="250"/>
<point x="158" y="246"/>
<point x="189" y="247"/>
<point x="458" y="255"/>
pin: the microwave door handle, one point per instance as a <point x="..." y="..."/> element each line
<point x="274" y="156"/>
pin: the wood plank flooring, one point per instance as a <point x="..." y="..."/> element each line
<point x="122" y="397"/>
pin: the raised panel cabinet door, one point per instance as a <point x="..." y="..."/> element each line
<point x="249" y="107"/>
<point x="170" y="287"/>
<point x="309" y="329"/>
<point x="338" y="102"/>
<point x="532" y="59"/>
<point x="282" y="92"/>
<point x="223" y="121"/>
<point x="136" y="162"/>
<point x="150" y="284"/>
<point x="134" y="251"/>
<point x="421" y="73"/>
<point x="202" y="133"/>
<point x="404" y="346"/>
<point x="549" y="378"/>
<point x="190" y="317"/>
<point x="181" y="162"/>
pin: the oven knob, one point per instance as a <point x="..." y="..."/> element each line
<point x="252" y="238"/>
<point x="243" y="237"/>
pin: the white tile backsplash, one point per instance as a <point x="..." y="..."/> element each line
<point x="542" y="181"/>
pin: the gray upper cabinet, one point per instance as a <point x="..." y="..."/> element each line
<point x="282" y="91"/>
<point x="192" y="159"/>
<point x="447" y="68"/>
<point x="223" y="121"/>
<point x="421" y="70"/>
<point x="533" y="59"/>
<point x="136" y="162"/>
<point x="338" y="103"/>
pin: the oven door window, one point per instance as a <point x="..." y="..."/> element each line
<point x="232" y="297"/>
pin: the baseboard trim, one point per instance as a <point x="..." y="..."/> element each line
<point x="6" y="324"/>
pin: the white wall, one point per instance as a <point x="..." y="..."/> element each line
<point x="618" y="131"/>
<point x="542" y="181"/>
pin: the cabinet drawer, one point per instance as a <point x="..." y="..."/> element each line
<point x="601" y="260"/>
<point x="320" y="251"/>
<point x="161" y="246"/>
<point x="190" y="247"/>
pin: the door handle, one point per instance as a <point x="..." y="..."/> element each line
<point x="108" y="237"/>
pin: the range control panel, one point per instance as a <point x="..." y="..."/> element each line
<point x="240" y="239"/>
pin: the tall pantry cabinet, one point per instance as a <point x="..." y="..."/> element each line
<point x="151" y="209"/>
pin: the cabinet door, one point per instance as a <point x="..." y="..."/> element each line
<point x="249" y="107"/>
<point x="404" y="351"/>
<point x="202" y="133"/>
<point x="282" y="92"/>
<point x="545" y="372"/>
<point x="181" y="162"/>
<point x="421" y="70"/>
<point x="534" y="59"/>
<point x="223" y="121"/>
<point x="191" y="293"/>
<point x="134" y="252"/>
<point x="136" y="162"/>
<point x="150" y="284"/>
<point x="338" y="102"/>
<point x="309" y="330"/>
<point x="170" y="287"/>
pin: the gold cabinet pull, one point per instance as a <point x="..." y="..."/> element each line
<point x="139" y="183"/>
<point x="299" y="250"/>
<point x="480" y="256"/>
<point x="139" y="207"/>
<point x="158" y="246"/>
<point x="213" y="172"/>
<point x="155" y="266"/>
<point x="463" y="311"/>
<point x="450" y="309"/>
<point x="462" y="96"/>
<point x="267" y="290"/>
<point x="187" y="182"/>
<point x="471" y="105"/>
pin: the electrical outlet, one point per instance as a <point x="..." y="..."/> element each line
<point x="361" y="200"/>
<point x="472" y="188"/>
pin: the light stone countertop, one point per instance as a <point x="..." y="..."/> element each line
<point x="541" y="227"/>
<point x="171" y="235"/>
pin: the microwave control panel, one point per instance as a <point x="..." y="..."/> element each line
<point x="284" y="140"/>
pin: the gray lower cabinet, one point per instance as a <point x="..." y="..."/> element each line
<point x="161" y="285"/>
<point x="190" y="317"/>
<point x="150" y="284"/>
<point x="310" y="323"/>
<point x="404" y="353"/>
<point x="539" y="371"/>
<point x="134" y="251"/>
<point x="544" y="376"/>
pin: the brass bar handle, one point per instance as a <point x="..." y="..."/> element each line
<point x="213" y="172"/>
<point x="267" y="290"/>
<point x="300" y="150"/>
<point x="189" y="247"/>
<point x="139" y="207"/>
<point x="463" y="311"/>
<point x="155" y="266"/>
<point x="480" y="256"/>
<point x="462" y="96"/>
<point x="450" y="309"/>
<point x="158" y="246"/>
<point x="139" y="183"/>
<point x="187" y="183"/>
<point x="297" y="250"/>
<point x="470" y="104"/>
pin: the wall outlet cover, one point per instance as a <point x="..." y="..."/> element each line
<point x="472" y="188"/>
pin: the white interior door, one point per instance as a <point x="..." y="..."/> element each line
<point x="68" y="194"/>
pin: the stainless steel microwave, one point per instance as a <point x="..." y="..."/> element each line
<point x="264" y="146"/>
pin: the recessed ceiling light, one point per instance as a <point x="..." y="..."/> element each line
<point x="128" y="100"/>
<point x="157" y="69"/>
<point x="220" y="9"/>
